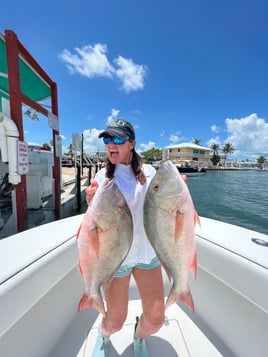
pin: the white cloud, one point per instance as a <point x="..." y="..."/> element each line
<point x="148" y="146"/>
<point x="131" y="74"/>
<point x="112" y="116"/>
<point x="248" y="135"/>
<point x="89" y="61"/>
<point x="214" y="128"/>
<point x="92" y="143"/>
<point x="215" y="140"/>
<point x="174" y="138"/>
<point x="92" y="61"/>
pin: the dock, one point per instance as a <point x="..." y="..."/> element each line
<point x="46" y="213"/>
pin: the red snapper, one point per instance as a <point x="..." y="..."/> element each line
<point x="169" y="221"/>
<point x="104" y="239"/>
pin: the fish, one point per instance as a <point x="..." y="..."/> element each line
<point x="104" y="238"/>
<point x="169" y="220"/>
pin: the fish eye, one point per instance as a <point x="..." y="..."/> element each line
<point x="120" y="208"/>
<point x="156" y="187"/>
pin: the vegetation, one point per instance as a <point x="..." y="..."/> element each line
<point x="151" y="155"/>
<point x="46" y="146"/>
<point x="261" y="160"/>
<point x="227" y="149"/>
<point x="197" y="141"/>
<point x="70" y="151"/>
<point x="216" y="157"/>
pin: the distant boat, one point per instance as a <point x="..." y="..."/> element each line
<point x="189" y="167"/>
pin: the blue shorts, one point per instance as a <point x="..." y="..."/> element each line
<point x="126" y="269"/>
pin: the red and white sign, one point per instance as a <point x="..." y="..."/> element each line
<point x="23" y="158"/>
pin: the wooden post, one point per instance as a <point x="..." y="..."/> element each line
<point x="16" y="115"/>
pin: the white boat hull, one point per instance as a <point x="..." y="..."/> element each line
<point x="41" y="286"/>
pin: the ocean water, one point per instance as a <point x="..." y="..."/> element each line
<point x="236" y="197"/>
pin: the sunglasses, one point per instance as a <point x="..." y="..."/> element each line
<point x="116" y="140"/>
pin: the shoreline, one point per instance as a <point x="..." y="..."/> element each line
<point x="233" y="169"/>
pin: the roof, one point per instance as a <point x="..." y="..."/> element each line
<point x="32" y="85"/>
<point x="187" y="145"/>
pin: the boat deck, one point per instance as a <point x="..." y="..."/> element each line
<point x="179" y="336"/>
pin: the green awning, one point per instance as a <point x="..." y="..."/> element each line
<point x="31" y="84"/>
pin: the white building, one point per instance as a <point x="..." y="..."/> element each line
<point x="187" y="152"/>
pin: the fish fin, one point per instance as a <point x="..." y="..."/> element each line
<point x="89" y="241"/>
<point x="107" y="283"/>
<point x="77" y="235"/>
<point x="166" y="269"/>
<point x="80" y="268"/>
<point x="94" y="240"/>
<point x="193" y="265"/>
<point x="78" y="232"/>
<point x="88" y="233"/>
<point x="167" y="272"/>
<point x="179" y="225"/>
<point x="182" y="296"/>
<point x="83" y="224"/>
<point x="96" y="302"/>
<point x="196" y="219"/>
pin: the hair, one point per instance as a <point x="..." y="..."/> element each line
<point x="136" y="164"/>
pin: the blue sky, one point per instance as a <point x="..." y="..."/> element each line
<point x="177" y="69"/>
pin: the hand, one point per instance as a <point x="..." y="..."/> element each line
<point x="90" y="190"/>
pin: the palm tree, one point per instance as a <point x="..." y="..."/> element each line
<point x="226" y="150"/>
<point x="261" y="160"/>
<point x="47" y="146"/>
<point x="215" y="158"/>
<point x="197" y="141"/>
<point x="215" y="148"/>
<point x="70" y="151"/>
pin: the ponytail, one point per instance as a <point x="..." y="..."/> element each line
<point x="136" y="164"/>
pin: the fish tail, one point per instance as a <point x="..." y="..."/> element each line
<point x="182" y="296"/>
<point x="80" y="269"/>
<point x="96" y="302"/>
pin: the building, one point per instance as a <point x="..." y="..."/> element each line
<point x="187" y="152"/>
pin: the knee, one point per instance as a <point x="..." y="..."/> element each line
<point x="112" y="326"/>
<point x="155" y="321"/>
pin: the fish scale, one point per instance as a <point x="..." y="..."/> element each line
<point x="104" y="239"/>
<point x="169" y="222"/>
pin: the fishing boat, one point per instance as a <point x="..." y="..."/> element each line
<point x="190" y="167"/>
<point x="41" y="287"/>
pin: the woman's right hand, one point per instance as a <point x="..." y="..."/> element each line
<point x="90" y="190"/>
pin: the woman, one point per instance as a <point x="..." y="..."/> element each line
<point x="132" y="178"/>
